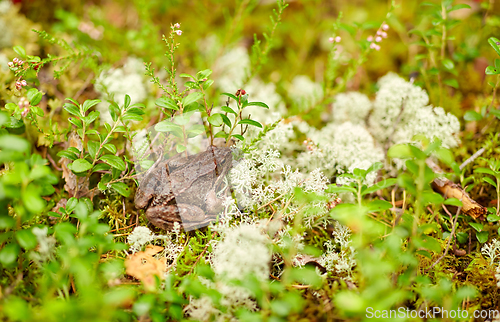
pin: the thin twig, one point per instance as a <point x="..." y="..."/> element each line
<point x="84" y="86"/>
<point x="449" y="240"/>
<point x="472" y="158"/>
<point x="53" y="162"/>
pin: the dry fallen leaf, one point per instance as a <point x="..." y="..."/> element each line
<point x="144" y="267"/>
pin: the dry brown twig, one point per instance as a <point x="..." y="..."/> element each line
<point x="450" y="189"/>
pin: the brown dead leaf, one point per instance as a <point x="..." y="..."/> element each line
<point x="71" y="178"/>
<point x="144" y="267"/>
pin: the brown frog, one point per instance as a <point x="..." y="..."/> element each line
<point x="184" y="189"/>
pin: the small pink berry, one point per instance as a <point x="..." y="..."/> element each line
<point x="177" y="25"/>
<point x="25" y="112"/>
<point x="370" y="38"/>
<point x="378" y="39"/>
<point x="377" y="47"/>
<point x="331" y="39"/>
<point x="379" y="32"/>
<point x="338" y="39"/>
<point x="178" y="32"/>
<point x="385" y="26"/>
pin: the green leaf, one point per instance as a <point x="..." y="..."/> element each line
<point x="203" y="74"/>
<point x="14" y="143"/>
<point x="227" y="109"/>
<point x="74" y="150"/>
<point x="191" y="98"/>
<point x="26" y="239"/>
<point x="477" y="226"/>
<point x="215" y="119"/>
<point x="401" y="151"/>
<point x="32" y="199"/>
<point x="7" y="222"/>
<point x="379" y="185"/>
<point x="89" y="103"/>
<point x="126" y="101"/>
<point x="238" y="136"/>
<point x="120" y="128"/>
<point x="448" y="64"/>
<point x="250" y="122"/>
<point x="101" y="186"/>
<point x="490" y="70"/>
<point x="195" y="130"/>
<point x="339" y="189"/>
<point x="34" y="96"/>
<point x="488" y="180"/>
<point x="493" y="218"/>
<point x="20" y="51"/>
<point x="186" y="75"/>
<point x="93" y="147"/>
<point x="92" y="117"/>
<point x="71" y="204"/>
<point x="261" y="104"/>
<point x="101" y="167"/>
<point x="9" y="253"/>
<point x="167" y="103"/>
<point x="114" y="161"/>
<point x="482" y="236"/>
<point x="453" y="202"/>
<point x="494" y="42"/>
<point x="183" y="119"/>
<point x="136" y="109"/>
<point x="110" y="147"/>
<point x="114" y="111"/>
<point x="462" y="237"/>
<point x="445" y="156"/>
<point x="72" y="109"/>
<point x="191" y="84"/>
<point x="451" y="82"/>
<point x="76" y="122"/>
<point x="38" y="111"/>
<point x="226" y="120"/>
<point x="207" y="84"/>
<point x="121" y="188"/>
<point x="430" y="243"/>
<point x="131" y="117"/>
<point x="495" y="112"/>
<point x="80" y="165"/>
<point x="230" y="95"/>
<point x="166" y="126"/>
<point x="459" y="6"/>
<point x="485" y="170"/>
<point x="378" y="205"/>
<point x="432" y="198"/>
<point x="220" y="134"/>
